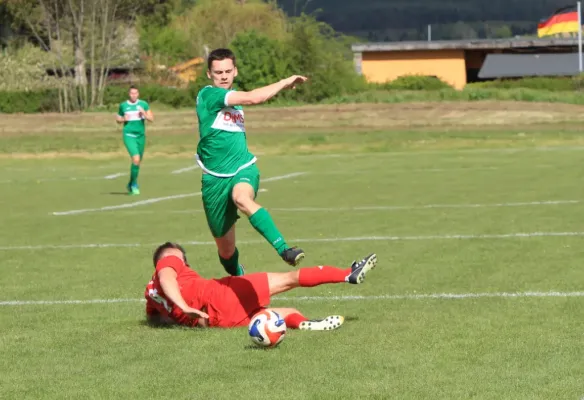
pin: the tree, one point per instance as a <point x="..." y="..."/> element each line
<point x="75" y="33"/>
<point x="260" y="59"/>
<point x="215" y="23"/>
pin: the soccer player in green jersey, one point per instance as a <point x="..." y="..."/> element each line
<point x="231" y="179"/>
<point x="133" y="113"/>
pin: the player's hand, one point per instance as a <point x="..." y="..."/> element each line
<point x="126" y="117"/>
<point x="294" y="80"/>
<point x="194" y="313"/>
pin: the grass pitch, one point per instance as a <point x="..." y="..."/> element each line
<point x="475" y="214"/>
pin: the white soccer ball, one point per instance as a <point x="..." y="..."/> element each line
<point x="267" y="329"/>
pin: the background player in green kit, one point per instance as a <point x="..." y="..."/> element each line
<point x="133" y="113"/>
<point x="231" y="179"/>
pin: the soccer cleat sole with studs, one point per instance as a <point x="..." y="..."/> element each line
<point x="327" y="324"/>
<point x="360" y="269"/>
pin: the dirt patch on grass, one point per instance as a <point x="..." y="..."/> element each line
<point x="317" y="117"/>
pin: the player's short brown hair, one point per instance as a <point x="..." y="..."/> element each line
<point x="220" y="55"/>
<point x="133" y="87"/>
<point x="168" y="245"/>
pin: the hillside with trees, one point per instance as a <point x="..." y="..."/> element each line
<point x="383" y="20"/>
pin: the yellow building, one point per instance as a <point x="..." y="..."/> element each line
<point x="456" y="62"/>
<point x="188" y="70"/>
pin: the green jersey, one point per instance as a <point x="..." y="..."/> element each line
<point x="222" y="150"/>
<point x="134" y="125"/>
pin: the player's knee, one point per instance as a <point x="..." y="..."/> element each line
<point x="136" y="160"/>
<point x="226" y="251"/>
<point x="243" y="201"/>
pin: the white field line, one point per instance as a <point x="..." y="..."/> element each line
<point x="187" y="169"/>
<point x="438" y="152"/>
<point x="92" y="167"/>
<point x="519" y="235"/>
<point x="126" y="205"/>
<point x="427" y="206"/>
<point x="350" y="172"/>
<point x="407" y="170"/>
<point x="421" y="296"/>
<point x="76" y="178"/>
<point x="157" y="199"/>
<point x="114" y="176"/>
<point x="380" y="208"/>
<point x="288" y="176"/>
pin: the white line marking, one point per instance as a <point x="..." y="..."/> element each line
<point x="114" y="176"/>
<point x="315" y="240"/>
<point x="58" y="302"/>
<point x="409" y="152"/>
<point x="384" y="208"/>
<point x="410" y="170"/>
<point x="158" y="199"/>
<point x="430" y="296"/>
<point x="427" y="206"/>
<point x="278" y="178"/>
<point x="438" y="296"/>
<point x="127" y="205"/>
<point x="78" y="178"/>
<point x="187" y="169"/>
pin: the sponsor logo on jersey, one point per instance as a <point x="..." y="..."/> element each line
<point x="133" y="115"/>
<point x="229" y="119"/>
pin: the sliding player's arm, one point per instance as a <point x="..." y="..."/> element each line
<point x="169" y="284"/>
<point x="263" y="94"/>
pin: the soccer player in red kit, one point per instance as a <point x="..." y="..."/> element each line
<point x="177" y="294"/>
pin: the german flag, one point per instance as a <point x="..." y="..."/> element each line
<point x="564" y="20"/>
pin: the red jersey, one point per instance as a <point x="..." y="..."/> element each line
<point x="229" y="301"/>
<point x="192" y="288"/>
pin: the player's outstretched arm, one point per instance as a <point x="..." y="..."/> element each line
<point x="167" y="277"/>
<point x="263" y="94"/>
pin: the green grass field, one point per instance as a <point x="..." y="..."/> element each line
<point x="475" y="214"/>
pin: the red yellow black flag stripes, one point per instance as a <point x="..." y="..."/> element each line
<point x="564" y="20"/>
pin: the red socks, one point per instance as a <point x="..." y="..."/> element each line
<point x="293" y="320"/>
<point x="314" y="276"/>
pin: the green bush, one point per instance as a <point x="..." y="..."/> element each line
<point x="260" y="60"/>
<point x="317" y="51"/>
<point x="48" y="101"/>
<point x="174" y="97"/>
<point x="555" y="84"/>
<point x="416" y="82"/>
<point x="29" y="102"/>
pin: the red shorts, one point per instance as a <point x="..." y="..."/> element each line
<point x="234" y="300"/>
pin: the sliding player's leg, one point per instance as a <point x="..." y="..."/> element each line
<point x="314" y="276"/>
<point x="280" y="282"/>
<point x="296" y="320"/>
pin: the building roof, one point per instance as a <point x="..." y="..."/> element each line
<point x="519" y="65"/>
<point x="477" y="44"/>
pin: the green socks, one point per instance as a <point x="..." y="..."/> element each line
<point x="264" y="224"/>
<point x="231" y="265"/>
<point x="134" y="172"/>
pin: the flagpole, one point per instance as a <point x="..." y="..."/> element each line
<point x="580" y="37"/>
